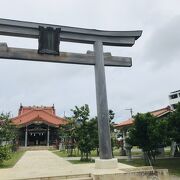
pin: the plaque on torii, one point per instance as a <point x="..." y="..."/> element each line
<point x="49" y="38"/>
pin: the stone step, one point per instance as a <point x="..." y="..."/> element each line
<point x="66" y="177"/>
<point x="35" y="148"/>
<point x="82" y="178"/>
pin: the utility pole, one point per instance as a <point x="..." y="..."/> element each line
<point x="131" y="111"/>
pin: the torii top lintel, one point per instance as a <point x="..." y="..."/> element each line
<point x="69" y="34"/>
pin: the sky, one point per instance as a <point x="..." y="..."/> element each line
<point x="143" y="87"/>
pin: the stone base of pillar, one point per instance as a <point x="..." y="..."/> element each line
<point x="106" y="163"/>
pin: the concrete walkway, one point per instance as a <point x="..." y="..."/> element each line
<point x="46" y="164"/>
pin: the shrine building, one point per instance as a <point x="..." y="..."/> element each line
<point x="37" y="125"/>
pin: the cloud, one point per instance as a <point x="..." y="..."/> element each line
<point x="143" y="87"/>
<point x="163" y="46"/>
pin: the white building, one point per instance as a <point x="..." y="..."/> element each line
<point x="174" y="98"/>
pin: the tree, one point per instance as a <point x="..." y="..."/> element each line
<point x="174" y="128"/>
<point x="7" y="130"/>
<point x="149" y="133"/>
<point x="7" y="137"/>
<point x="84" y="135"/>
<point x="94" y="134"/>
<point x="67" y="135"/>
<point x="83" y="131"/>
<point x="5" y="153"/>
<point x="174" y="124"/>
<point x="111" y="123"/>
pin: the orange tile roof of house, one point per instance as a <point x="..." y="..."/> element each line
<point x="128" y="122"/>
<point x="156" y="113"/>
<point x="161" y="112"/>
<point x="24" y="109"/>
<point x="27" y="115"/>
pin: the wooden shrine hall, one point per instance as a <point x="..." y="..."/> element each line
<point x="37" y="125"/>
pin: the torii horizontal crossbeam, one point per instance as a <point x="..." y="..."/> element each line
<point x="70" y="34"/>
<point x="64" y="57"/>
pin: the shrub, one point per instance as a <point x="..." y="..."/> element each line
<point x="5" y="153"/>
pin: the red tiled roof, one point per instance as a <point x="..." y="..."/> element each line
<point x="156" y="113"/>
<point x="46" y="114"/>
<point x="25" y="109"/>
<point x="128" y="122"/>
<point x="161" y="112"/>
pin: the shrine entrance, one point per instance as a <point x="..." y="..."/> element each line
<point x="37" y="135"/>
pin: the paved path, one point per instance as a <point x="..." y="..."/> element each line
<point x="45" y="164"/>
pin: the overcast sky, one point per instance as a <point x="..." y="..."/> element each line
<point x="144" y="87"/>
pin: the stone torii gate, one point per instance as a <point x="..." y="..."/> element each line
<point x="49" y="37"/>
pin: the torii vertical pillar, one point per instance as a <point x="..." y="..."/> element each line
<point x="106" y="160"/>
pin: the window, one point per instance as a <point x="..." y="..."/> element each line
<point x="174" y="106"/>
<point x="174" y="96"/>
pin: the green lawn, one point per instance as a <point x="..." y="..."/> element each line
<point x="75" y="154"/>
<point x="116" y="152"/>
<point x="172" y="164"/>
<point x="64" y="154"/>
<point x="61" y="153"/>
<point x="15" y="156"/>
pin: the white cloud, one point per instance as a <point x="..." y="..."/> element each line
<point x="143" y="87"/>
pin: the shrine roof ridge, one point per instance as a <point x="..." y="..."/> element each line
<point x="38" y="107"/>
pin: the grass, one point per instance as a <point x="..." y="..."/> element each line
<point x="61" y="153"/>
<point x="52" y="148"/>
<point x="93" y="153"/>
<point x="172" y="164"/>
<point x="64" y="154"/>
<point x="135" y="152"/>
<point x="15" y="156"/>
<point x="75" y="154"/>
